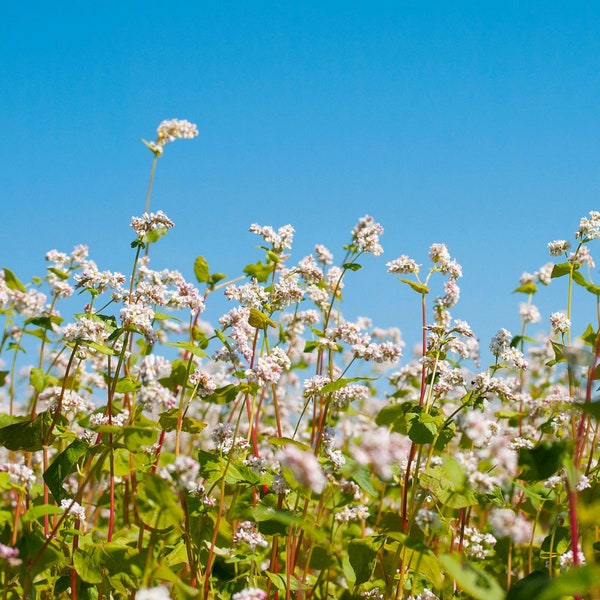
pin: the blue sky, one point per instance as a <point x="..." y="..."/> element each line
<point x="470" y="123"/>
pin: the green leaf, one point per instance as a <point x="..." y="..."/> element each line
<point x="360" y="474"/>
<point x="362" y="555"/>
<point x="591" y="408"/>
<point x="579" y="279"/>
<point x="526" y="288"/>
<point x="423" y="428"/>
<point x="168" y="421"/>
<point x="12" y="282"/>
<point x="259" y="319"/>
<point x="26" y="435"/>
<point x="157" y="505"/>
<point x="351" y="266"/>
<point x="201" y="270"/>
<point x="259" y="271"/>
<point x="542" y="461"/>
<point x="3" y="375"/>
<point x="135" y="438"/>
<point x="126" y="385"/>
<point x="153" y="235"/>
<point x="529" y="587"/>
<point x="420" y="288"/>
<point x="45" y="322"/>
<point x="189" y="347"/>
<point x="475" y="582"/>
<point x="223" y="395"/>
<point x="561" y="269"/>
<point x="448" y="483"/>
<point x="62" y="466"/>
<point x="41" y="510"/>
<point x="578" y="581"/>
<point x="60" y="274"/>
<point x="36" y="379"/>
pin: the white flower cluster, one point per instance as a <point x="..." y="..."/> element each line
<point x="559" y="322"/>
<point x="150" y="222"/>
<point x="366" y="235"/>
<point x="250" y="594"/>
<point x="589" y="228"/>
<point x="73" y="508"/>
<point x="501" y="348"/>
<point x="506" y="523"/>
<point x="19" y="474"/>
<point x="247" y="533"/>
<point x="159" y="592"/>
<point x="403" y="265"/>
<point x="304" y="466"/>
<point x="558" y="247"/>
<point x="280" y="240"/>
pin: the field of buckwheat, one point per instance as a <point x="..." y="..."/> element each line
<point x="283" y="451"/>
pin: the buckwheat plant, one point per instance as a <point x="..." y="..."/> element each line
<point x="281" y="450"/>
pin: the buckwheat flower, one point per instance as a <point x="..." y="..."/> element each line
<point x="558" y="247"/>
<point x="438" y="253"/>
<point x="589" y="228"/>
<point x="172" y="129"/>
<point x="427" y="594"/>
<point x="500" y="342"/>
<point x="91" y="278"/>
<point x="529" y="313"/>
<point x="324" y="256"/>
<point x="149" y="222"/>
<point x="183" y="472"/>
<point x="350" y="393"/>
<point x="583" y="256"/>
<point x="366" y="235"/>
<point x="204" y="383"/>
<point x="247" y="533"/>
<point x="73" y="508"/>
<point x="403" y="265"/>
<point x="222" y="436"/>
<point x="257" y="464"/>
<point x="334" y="281"/>
<point x="117" y="420"/>
<point x="514" y="357"/>
<point x="526" y="278"/>
<point x="20" y="475"/>
<point x="427" y="520"/>
<point x="450" y="298"/>
<point x="318" y="296"/>
<point x="309" y="270"/>
<point x="560" y="322"/>
<point x="566" y="559"/>
<point x="10" y="556"/>
<point x="71" y="403"/>
<point x="87" y="329"/>
<point x="155" y="397"/>
<point x="314" y="385"/>
<point x="30" y="303"/>
<point x="304" y="466"/>
<point x="352" y="513"/>
<point x="250" y="594"/>
<point x="280" y="240"/>
<point x="544" y="275"/>
<point x="286" y="290"/>
<point x="139" y="317"/>
<point x="153" y="367"/>
<point x="505" y="523"/>
<point x="476" y="544"/>
<point x="159" y="592"/>
<point x="280" y="485"/>
<point x="381" y="450"/>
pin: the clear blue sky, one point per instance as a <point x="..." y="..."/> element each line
<point x="476" y="124"/>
